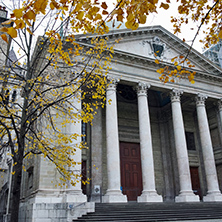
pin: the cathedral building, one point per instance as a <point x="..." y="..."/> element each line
<point x="154" y="142"/>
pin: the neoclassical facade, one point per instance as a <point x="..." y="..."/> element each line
<point x="153" y="142"/>
<point x="157" y="142"/>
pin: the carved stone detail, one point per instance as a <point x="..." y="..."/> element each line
<point x="112" y="82"/>
<point x="175" y="95"/>
<point x="200" y="99"/>
<point x="142" y="88"/>
<point x="220" y="104"/>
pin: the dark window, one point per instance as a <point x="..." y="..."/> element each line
<point x="190" y="140"/>
<point x="30" y="177"/>
<point x="84" y="176"/>
<point x="84" y="131"/>
<point x="126" y="93"/>
<point x="14" y="96"/>
<point x="6" y="97"/>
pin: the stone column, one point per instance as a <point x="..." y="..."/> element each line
<point x="74" y="193"/>
<point x="149" y="193"/>
<point x="186" y="194"/>
<point x="96" y="156"/>
<point x="213" y="192"/>
<point x="113" y="193"/>
<point x="220" y="118"/>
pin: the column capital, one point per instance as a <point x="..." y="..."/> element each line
<point x="175" y="95"/>
<point x="219" y="102"/>
<point x="200" y="99"/>
<point x="112" y="82"/>
<point x="142" y="88"/>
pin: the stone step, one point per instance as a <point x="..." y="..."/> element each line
<point x="147" y="212"/>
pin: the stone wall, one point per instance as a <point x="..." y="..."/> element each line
<point x="53" y="212"/>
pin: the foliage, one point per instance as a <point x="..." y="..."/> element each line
<point x="63" y="70"/>
<point x="56" y="85"/>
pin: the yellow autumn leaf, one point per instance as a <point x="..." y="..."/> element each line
<point x="4" y="37"/>
<point x="164" y="5"/>
<point x="30" y="15"/>
<point x="142" y="19"/>
<point x="12" y="32"/>
<point x="104" y="12"/>
<point x="3" y="29"/>
<point x="220" y="34"/>
<point x="80" y="15"/>
<point x="153" y="1"/>
<point x="157" y="61"/>
<point x="53" y="5"/>
<point x="19" y="24"/>
<point x="40" y="6"/>
<point x="120" y="18"/>
<point x="179" y="68"/>
<point x="18" y="13"/>
<point x="78" y="7"/>
<point x="192" y="81"/>
<point x="104" y="5"/>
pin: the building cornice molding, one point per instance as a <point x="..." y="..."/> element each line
<point x="149" y="62"/>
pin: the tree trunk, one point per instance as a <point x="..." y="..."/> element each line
<point x="15" y="192"/>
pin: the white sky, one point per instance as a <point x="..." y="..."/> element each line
<point x="188" y="31"/>
<point x="163" y="19"/>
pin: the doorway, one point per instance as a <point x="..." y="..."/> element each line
<point x="131" y="173"/>
<point x="194" y="174"/>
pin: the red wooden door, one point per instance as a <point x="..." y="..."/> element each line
<point x="195" y="181"/>
<point x="131" y="174"/>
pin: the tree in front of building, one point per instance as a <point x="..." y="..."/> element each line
<point x="62" y="70"/>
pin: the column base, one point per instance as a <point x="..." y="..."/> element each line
<point x="75" y="196"/>
<point x="187" y="196"/>
<point x="213" y="197"/>
<point x="150" y="196"/>
<point x="114" y="196"/>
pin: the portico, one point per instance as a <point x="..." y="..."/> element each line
<point x="145" y="134"/>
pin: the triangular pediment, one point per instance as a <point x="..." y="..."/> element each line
<point x="157" y="43"/>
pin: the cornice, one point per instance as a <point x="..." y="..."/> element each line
<point x="149" y="62"/>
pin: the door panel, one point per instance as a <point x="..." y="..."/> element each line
<point x="195" y="181"/>
<point x="131" y="174"/>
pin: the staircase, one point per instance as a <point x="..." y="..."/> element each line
<point x="147" y="212"/>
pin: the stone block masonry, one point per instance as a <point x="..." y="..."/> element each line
<point x="53" y="212"/>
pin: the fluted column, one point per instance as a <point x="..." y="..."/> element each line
<point x="149" y="193"/>
<point x="213" y="192"/>
<point x="74" y="193"/>
<point x="113" y="193"/>
<point x="186" y="194"/>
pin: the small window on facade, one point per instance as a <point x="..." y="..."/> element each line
<point x="30" y="177"/>
<point x="7" y="97"/>
<point x="190" y="140"/>
<point x="84" y="131"/>
<point x="84" y="176"/>
<point x="14" y="96"/>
